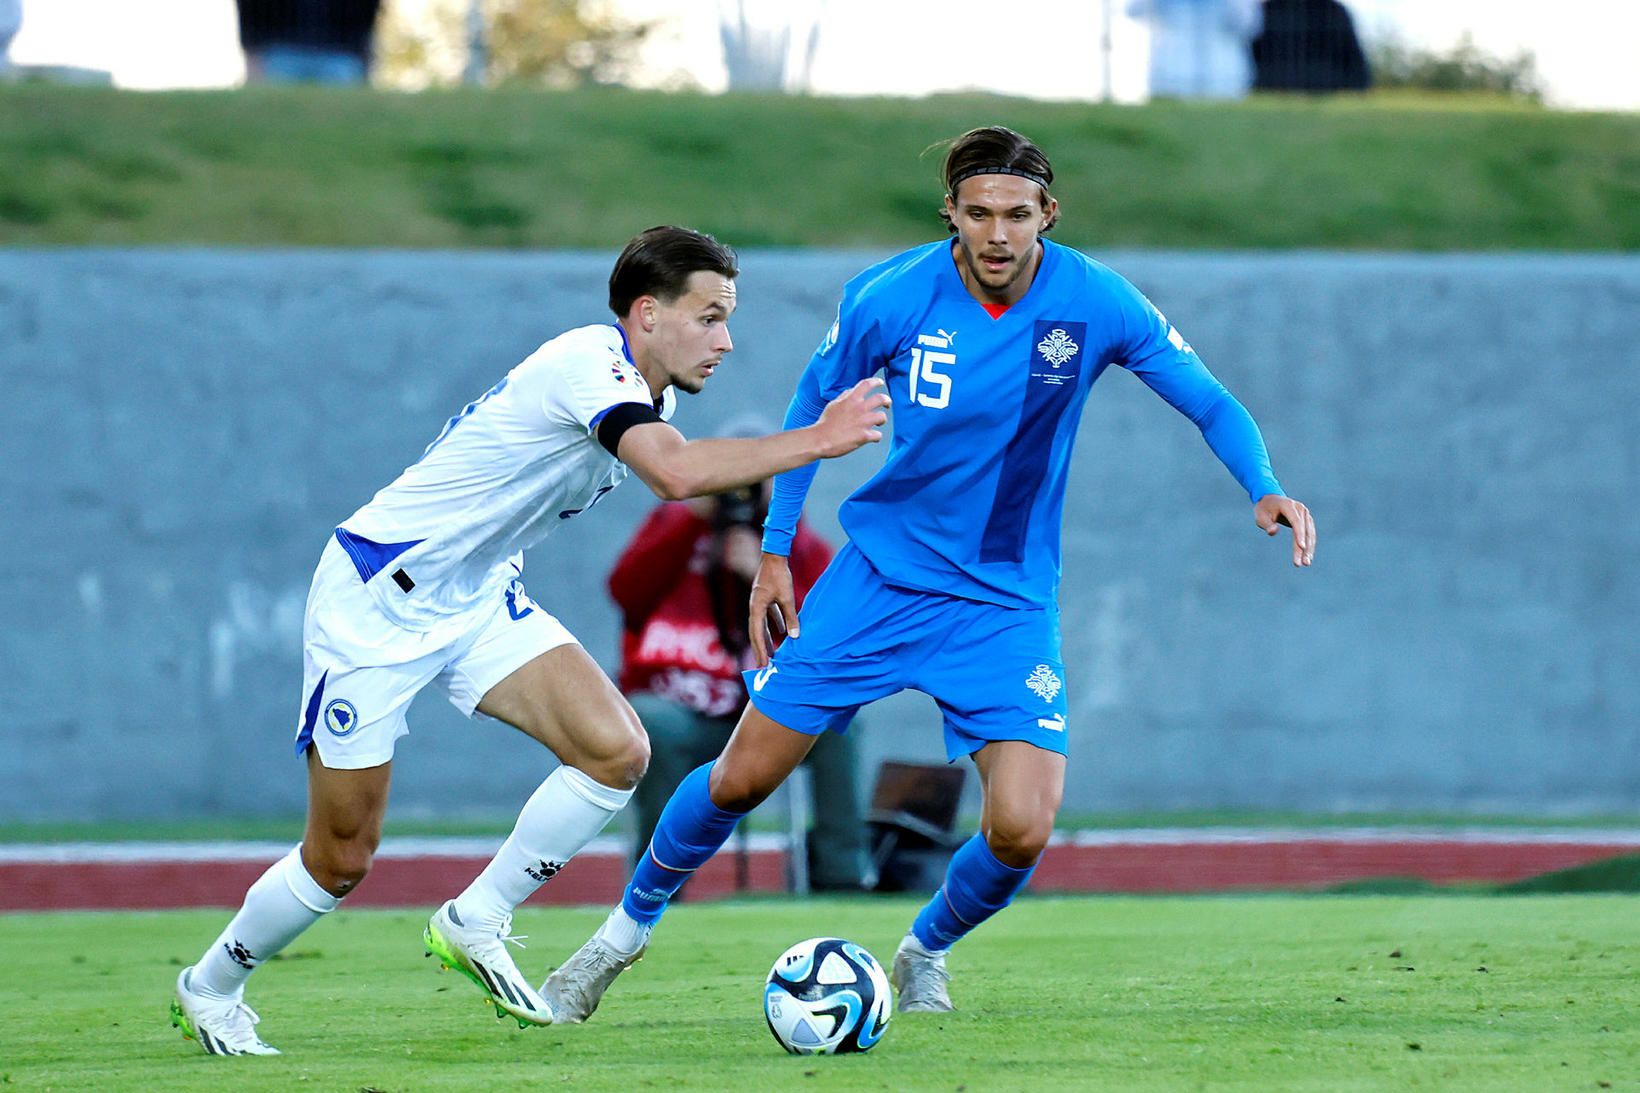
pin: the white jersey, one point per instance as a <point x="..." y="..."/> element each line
<point x="449" y="532"/>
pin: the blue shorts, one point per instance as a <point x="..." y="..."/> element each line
<point x="995" y="672"/>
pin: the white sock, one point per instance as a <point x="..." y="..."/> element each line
<point x="282" y="903"/>
<point x="562" y="816"/>
<point x="912" y="942"/>
<point x="623" y="933"/>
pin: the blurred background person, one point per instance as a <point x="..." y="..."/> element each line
<point x="682" y="585"/>
<point x="307" y="41"/>
<point x="1199" y="49"/>
<point x="1309" y="45"/>
<point x="11" y="19"/>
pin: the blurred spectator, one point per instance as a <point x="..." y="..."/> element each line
<point x="1308" y="45"/>
<point x="307" y="41"/>
<point x="1199" y="48"/>
<point x="11" y="18"/>
<point x="682" y="584"/>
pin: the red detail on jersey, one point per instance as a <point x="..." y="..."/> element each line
<point x="995" y="310"/>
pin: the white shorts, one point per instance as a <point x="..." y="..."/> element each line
<point x="360" y="669"/>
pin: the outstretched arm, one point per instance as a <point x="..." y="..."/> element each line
<point x="1234" y="437"/>
<point x="676" y="468"/>
<point x="1157" y="354"/>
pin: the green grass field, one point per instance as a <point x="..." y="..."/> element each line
<point x="514" y="168"/>
<point x="1270" y="993"/>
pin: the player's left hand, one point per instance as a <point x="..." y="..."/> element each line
<point x="1273" y="510"/>
<point x="773" y="607"/>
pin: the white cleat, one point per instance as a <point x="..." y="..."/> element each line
<point x="919" y="978"/>
<point x="576" y="988"/>
<point x="482" y="956"/>
<point x="221" y="1026"/>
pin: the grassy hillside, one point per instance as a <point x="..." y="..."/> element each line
<point x="323" y="167"/>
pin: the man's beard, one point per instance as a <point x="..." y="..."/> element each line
<point x="1009" y="273"/>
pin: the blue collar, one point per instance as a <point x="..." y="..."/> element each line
<point x="626" y="346"/>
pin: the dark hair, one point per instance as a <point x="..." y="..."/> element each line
<point x="994" y="150"/>
<point x="658" y="263"/>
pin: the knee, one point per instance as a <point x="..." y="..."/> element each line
<point x="736" y="790"/>
<point x="1018" y="842"/>
<point x="338" y="864"/>
<point x="623" y="763"/>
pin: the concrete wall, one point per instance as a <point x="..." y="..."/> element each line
<point x="182" y="430"/>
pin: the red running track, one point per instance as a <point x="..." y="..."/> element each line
<point x="115" y="877"/>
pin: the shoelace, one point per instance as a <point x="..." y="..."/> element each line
<point x="604" y="957"/>
<point x="241" y="1010"/>
<point x="510" y="938"/>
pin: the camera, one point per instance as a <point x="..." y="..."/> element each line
<point x="741" y="507"/>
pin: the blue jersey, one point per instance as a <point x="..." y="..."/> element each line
<point x="985" y="412"/>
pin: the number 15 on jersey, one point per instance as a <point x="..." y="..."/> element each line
<point x="930" y="386"/>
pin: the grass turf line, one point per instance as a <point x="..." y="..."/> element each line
<point x="510" y="168"/>
<point x="1276" y="993"/>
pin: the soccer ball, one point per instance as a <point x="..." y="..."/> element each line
<point x="827" y="996"/>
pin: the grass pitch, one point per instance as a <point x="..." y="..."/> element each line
<point x="1250" y="993"/>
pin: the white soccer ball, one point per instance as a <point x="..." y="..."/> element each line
<point x="827" y="996"/>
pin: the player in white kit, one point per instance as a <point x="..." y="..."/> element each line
<point x="423" y="584"/>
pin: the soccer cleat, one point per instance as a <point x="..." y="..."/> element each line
<point x="482" y="956"/>
<point x="576" y="988"/>
<point x="221" y="1026"/>
<point x="919" y="979"/>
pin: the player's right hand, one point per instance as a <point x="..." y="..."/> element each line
<point x="773" y="607"/>
<point x="853" y="419"/>
<point x="1274" y="511"/>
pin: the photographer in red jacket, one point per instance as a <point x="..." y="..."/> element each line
<point x="682" y="584"/>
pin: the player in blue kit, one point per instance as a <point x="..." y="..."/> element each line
<point x="989" y="343"/>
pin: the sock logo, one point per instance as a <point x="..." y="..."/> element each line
<point x="653" y="896"/>
<point x="544" y="871"/>
<point x="241" y="955"/>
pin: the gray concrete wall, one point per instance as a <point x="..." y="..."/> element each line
<point x="182" y="430"/>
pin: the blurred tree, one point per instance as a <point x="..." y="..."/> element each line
<point x="561" y="43"/>
<point x="1464" y="67"/>
<point x="550" y="43"/>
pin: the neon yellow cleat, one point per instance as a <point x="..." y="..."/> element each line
<point x="482" y="956"/>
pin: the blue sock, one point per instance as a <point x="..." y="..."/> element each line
<point x="690" y="831"/>
<point x="976" y="887"/>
